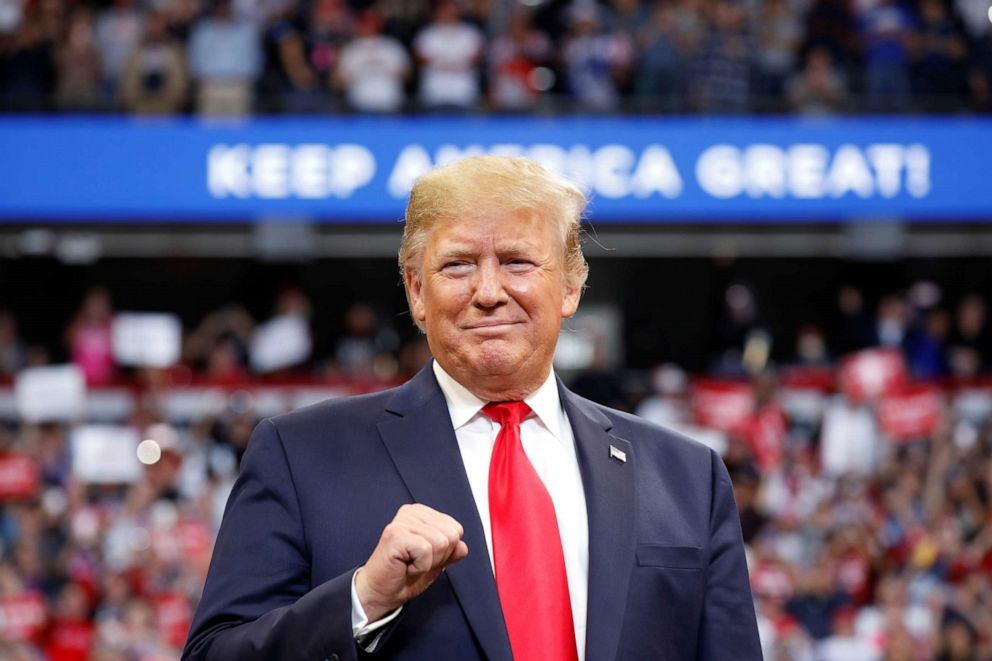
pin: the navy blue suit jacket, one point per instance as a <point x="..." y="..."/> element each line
<point x="667" y="577"/>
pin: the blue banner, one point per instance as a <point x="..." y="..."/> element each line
<point x="360" y="169"/>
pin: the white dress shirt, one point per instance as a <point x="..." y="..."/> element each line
<point x="546" y="436"/>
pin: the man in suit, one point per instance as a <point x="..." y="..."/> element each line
<point x="481" y="510"/>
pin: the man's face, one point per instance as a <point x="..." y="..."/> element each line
<point x="491" y="295"/>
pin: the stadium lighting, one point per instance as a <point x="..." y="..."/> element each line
<point x="149" y="452"/>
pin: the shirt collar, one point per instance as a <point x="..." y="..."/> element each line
<point x="463" y="405"/>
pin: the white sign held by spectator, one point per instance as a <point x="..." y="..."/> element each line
<point x="105" y="454"/>
<point x="146" y="339"/>
<point x="280" y="342"/>
<point x="50" y="393"/>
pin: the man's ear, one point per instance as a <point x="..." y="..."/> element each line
<point x="414" y="293"/>
<point x="570" y="300"/>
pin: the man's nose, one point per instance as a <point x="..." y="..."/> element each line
<point x="489" y="290"/>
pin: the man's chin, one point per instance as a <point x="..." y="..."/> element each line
<point x="496" y="368"/>
<point x="496" y="358"/>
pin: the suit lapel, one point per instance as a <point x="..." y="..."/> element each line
<point x="610" y="502"/>
<point x="424" y="449"/>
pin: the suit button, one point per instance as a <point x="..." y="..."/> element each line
<point x="333" y="657"/>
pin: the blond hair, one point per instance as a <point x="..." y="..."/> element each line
<point x="495" y="183"/>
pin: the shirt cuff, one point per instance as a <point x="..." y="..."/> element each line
<point x="360" y="626"/>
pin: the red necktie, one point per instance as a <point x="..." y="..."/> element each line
<point x="530" y="567"/>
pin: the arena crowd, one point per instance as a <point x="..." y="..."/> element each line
<point x="862" y="465"/>
<point x="235" y="57"/>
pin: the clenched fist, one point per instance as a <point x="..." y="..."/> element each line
<point x="413" y="550"/>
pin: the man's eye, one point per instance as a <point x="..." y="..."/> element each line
<point x="456" y="266"/>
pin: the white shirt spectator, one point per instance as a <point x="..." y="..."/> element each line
<point x="450" y="52"/>
<point x="225" y="50"/>
<point x="850" y="439"/>
<point x="372" y="70"/>
<point x="118" y="31"/>
<point x="11" y="14"/>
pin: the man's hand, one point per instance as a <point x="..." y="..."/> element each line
<point x="413" y="550"/>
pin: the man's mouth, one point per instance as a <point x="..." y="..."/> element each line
<point x="495" y="324"/>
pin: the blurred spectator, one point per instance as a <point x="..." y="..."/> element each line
<point x="88" y="337"/>
<point x="777" y="35"/>
<point x="413" y="356"/>
<point x="329" y="27"/>
<point x="660" y="81"/>
<point x="78" y="67"/>
<point x="816" y="601"/>
<point x="958" y="639"/>
<point x="288" y="82"/>
<point x="893" y="620"/>
<point x="850" y="441"/>
<point x="12" y="352"/>
<point x="819" y="89"/>
<point x="970" y="339"/>
<point x="372" y="68"/>
<point x="927" y="346"/>
<point x="70" y="633"/>
<point x="597" y="61"/>
<point x="811" y="347"/>
<point x="980" y="75"/>
<point x="225" y="60"/>
<point x="154" y="79"/>
<point x="830" y="25"/>
<point x="51" y="448"/>
<point x="596" y="381"/>
<point x="231" y="324"/>
<point x="723" y="67"/>
<point x="118" y="31"/>
<point x="162" y="475"/>
<point x="403" y="18"/>
<point x="737" y="326"/>
<point x="844" y="644"/>
<point x="51" y="16"/>
<point x="293" y="301"/>
<point x="518" y="65"/>
<point x="886" y="30"/>
<point x="691" y="24"/>
<point x="628" y="17"/>
<point x="26" y="67"/>
<point x="11" y="14"/>
<point x="853" y="331"/>
<point x="939" y="58"/>
<point x="667" y="405"/>
<point x="891" y="321"/>
<point x="257" y="11"/>
<point x="363" y="341"/>
<point x="134" y="634"/>
<point x="226" y="362"/>
<point x="181" y="16"/>
<point x="792" y="642"/>
<point x="449" y="51"/>
<point x="753" y="519"/>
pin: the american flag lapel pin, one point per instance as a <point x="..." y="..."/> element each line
<point x="618" y="454"/>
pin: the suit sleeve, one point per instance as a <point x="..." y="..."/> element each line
<point x="257" y="602"/>
<point x="729" y="628"/>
